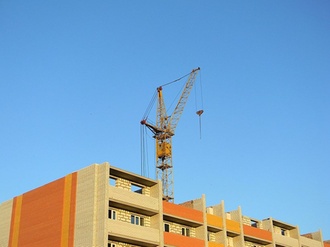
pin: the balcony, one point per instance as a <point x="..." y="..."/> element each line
<point x="182" y="215"/>
<point x="214" y="223"/>
<point x="129" y="233"/>
<point x="173" y="239"/>
<point x="310" y="242"/>
<point x="233" y="228"/>
<point x="285" y="241"/>
<point x="257" y="235"/>
<point x="285" y="234"/>
<point x="132" y="201"/>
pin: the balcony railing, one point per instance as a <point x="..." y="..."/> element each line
<point x="133" y="233"/>
<point x="182" y="214"/>
<point x="173" y="239"/>
<point x="128" y="199"/>
<point x="310" y="242"/>
<point x="233" y="226"/>
<point x="214" y="244"/>
<point x="257" y="233"/>
<point x="214" y="221"/>
<point x="285" y="241"/>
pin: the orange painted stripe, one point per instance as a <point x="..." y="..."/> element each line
<point x="258" y="233"/>
<point x="41" y="216"/>
<point x="15" y="221"/>
<point x="68" y="216"/>
<point x="182" y="212"/>
<point x="45" y="216"/>
<point x="66" y="211"/>
<point x="214" y="220"/>
<point x="73" y="209"/>
<point x="174" y="239"/>
<point x="213" y="244"/>
<point x="233" y="226"/>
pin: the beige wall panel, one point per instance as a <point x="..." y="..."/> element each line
<point x="310" y="242"/>
<point x="237" y="241"/>
<point x="267" y="225"/>
<point x="235" y="215"/>
<point x="91" y="207"/>
<point x="286" y="241"/>
<point x="130" y="231"/>
<point x="5" y="220"/>
<point x="156" y="191"/>
<point x="85" y="202"/>
<point x="102" y="205"/>
<point x="133" y="199"/>
<point x="218" y="210"/>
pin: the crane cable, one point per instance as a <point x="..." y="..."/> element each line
<point x="151" y="104"/>
<point x="175" y="80"/>
<point x="201" y="111"/>
<point x="144" y="152"/>
<point x="153" y="99"/>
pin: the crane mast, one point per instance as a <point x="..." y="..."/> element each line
<point x="164" y="131"/>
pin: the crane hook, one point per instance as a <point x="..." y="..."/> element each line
<point x="200" y="112"/>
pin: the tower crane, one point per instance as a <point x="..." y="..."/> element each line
<point x="164" y="130"/>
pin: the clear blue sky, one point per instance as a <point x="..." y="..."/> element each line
<point x="77" y="76"/>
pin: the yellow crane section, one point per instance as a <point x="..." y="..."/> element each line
<point x="163" y="132"/>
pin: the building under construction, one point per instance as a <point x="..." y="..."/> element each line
<point x="104" y="206"/>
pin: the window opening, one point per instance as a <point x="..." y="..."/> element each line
<point x="137" y="188"/>
<point x="254" y="223"/>
<point x="137" y="220"/>
<point x="166" y="227"/>
<point x="112" y="181"/>
<point x="185" y="231"/>
<point x="112" y="214"/>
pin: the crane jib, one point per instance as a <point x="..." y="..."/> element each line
<point x="163" y="131"/>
